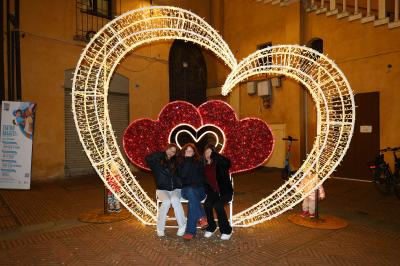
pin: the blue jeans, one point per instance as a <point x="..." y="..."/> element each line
<point x="195" y="211"/>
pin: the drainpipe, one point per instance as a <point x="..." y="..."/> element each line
<point x="9" y="52"/>
<point x="13" y="52"/>
<point x="17" y="52"/>
<point x="2" y="81"/>
<point x="303" y="97"/>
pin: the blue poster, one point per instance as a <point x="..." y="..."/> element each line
<point x="17" y="124"/>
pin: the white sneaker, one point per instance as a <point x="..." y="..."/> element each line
<point x="160" y="233"/>
<point x="181" y="231"/>
<point x="225" y="236"/>
<point x="209" y="234"/>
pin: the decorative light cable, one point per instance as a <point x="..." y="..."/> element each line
<point x="91" y="83"/>
<point x="326" y="83"/>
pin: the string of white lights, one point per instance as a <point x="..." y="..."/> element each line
<point x="335" y="121"/>
<point x="326" y="83"/>
<point x="91" y="83"/>
<point x="196" y="139"/>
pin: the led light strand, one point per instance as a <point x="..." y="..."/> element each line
<point x="328" y="87"/>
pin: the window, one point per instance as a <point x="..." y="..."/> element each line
<point x="100" y="8"/>
<point x="268" y="59"/>
<point x="92" y="15"/>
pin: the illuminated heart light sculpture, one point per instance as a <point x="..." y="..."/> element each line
<point x="325" y="82"/>
<point x="203" y="135"/>
<point x="247" y="143"/>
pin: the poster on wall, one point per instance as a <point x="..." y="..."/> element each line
<point x="17" y="123"/>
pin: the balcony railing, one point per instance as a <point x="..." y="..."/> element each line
<point x="380" y="12"/>
<point x="92" y="15"/>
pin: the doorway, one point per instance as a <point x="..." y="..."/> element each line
<point x="364" y="145"/>
<point x="187" y="73"/>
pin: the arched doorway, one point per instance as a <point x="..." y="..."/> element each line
<point x="187" y="73"/>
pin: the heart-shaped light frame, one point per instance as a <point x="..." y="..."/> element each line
<point x="197" y="139"/>
<point x="326" y="83"/>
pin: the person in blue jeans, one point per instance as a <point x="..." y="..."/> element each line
<point x="191" y="173"/>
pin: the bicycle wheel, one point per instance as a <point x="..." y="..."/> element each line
<point x="382" y="181"/>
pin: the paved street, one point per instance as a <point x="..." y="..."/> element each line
<point x="40" y="227"/>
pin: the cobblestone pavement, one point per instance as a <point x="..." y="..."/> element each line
<point x="40" y="227"/>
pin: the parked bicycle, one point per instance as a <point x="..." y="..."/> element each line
<point x="384" y="179"/>
<point x="287" y="171"/>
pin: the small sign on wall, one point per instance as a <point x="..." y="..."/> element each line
<point x="366" y="129"/>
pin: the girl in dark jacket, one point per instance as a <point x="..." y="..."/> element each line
<point x="219" y="191"/>
<point x="191" y="172"/>
<point x="163" y="166"/>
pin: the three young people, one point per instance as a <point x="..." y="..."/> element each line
<point x="194" y="178"/>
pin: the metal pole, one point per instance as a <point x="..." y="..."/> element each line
<point x="9" y="76"/>
<point x="92" y="28"/>
<point x="105" y="201"/>
<point x="84" y="33"/>
<point x="316" y="213"/>
<point x="105" y="169"/>
<point x="95" y="17"/>
<point x="2" y="81"/>
<point x="317" y="204"/>
<point x="110" y="10"/>
<point x="12" y="67"/>
<point x="17" y="52"/>
<point x="303" y="97"/>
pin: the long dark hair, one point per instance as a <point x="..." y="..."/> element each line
<point x="171" y="163"/>
<point x="196" y="155"/>
<point x="170" y="145"/>
<point x="208" y="146"/>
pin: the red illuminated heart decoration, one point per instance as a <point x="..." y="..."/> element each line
<point x="145" y="136"/>
<point x="248" y="143"/>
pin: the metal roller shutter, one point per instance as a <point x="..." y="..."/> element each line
<point x="76" y="161"/>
